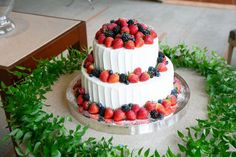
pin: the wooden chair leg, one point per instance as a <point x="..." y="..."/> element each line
<point x="229" y="53"/>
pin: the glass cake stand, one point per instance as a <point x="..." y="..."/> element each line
<point x="130" y="128"/>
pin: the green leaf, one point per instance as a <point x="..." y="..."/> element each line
<point x="146" y="153"/>
<point x="181" y="135"/>
<point x="157" y="154"/>
<point x="56" y="153"/>
<point x="19" y="151"/>
<point x="21" y="68"/>
<point x="36" y="147"/>
<point x="18" y="135"/>
<point x="3" y="85"/>
<point x="27" y="136"/>
<point x="140" y="151"/>
<point x="181" y="148"/>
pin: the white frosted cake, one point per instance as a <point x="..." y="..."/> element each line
<point x="126" y="77"/>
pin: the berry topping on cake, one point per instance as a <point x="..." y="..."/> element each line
<point x="86" y="97"/>
<point x="139" y="42"/>
<point x="129" y="44"/>
<point x="125" y="29"/>
<point x="125" y="108"/>
<point x="142" y="113"/>
<point x="133" y="78"/>
<point x="153" y="34"/>
<point x="133" y="29"/>
<point x="162" y="67"/>
<point x="150" y="106"/>
<point x="144" y="77"/>
<point x="93" y="108"/>
<point x="138" y="71"/>
<point x="113" y="78"/>
<point x="135" y="108"/>
<point x="101" y="38"/>
<point x="101" y="109"/>
<point x="130" y="115"/>
<point x="96" y="72"/>
<point x="173" y="100"/>
<point x="123" y="78"/>
<point x="108" y="113"/>
<point x="119" y="115"/>
<point x="104" y="76"/>
<point x="108" y="41"/>
<point x="85" y="105"/>
<point x="156" y="115"/>
<point x="166" y="103"/>
<point x="148" y="39"/>
<point x="80" y="100"/>
<point x="118" y="43"/>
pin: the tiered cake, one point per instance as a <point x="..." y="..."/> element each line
<point x="126" y="77"/>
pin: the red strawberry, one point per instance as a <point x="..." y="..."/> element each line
<point x="153" y="34"/>
<point x="144" y="26"/>
<point x="104" y="76"/>
<point x="117" y="43"/>
<point x="129" y="44"/>
<point x="142" y="113"/>
<point x="85" y="105"/>
<point x="90" y="58"/>
<point x="90" y="69"/>
<point x="168" y="111"/>
<point x="108" y="41"/>
<point x="119" y="115"/>
<point x="80" y="100"/>
<point x="130" y="115"/>
<point x="123" y="22"/>
<point x="166" y="103"/>
<point x="148" y="39"/>
<point x="150" y="106"/>
<point x="144" y="76"/>
<point x="108" y="113"/>
<point x="132" y="78"/>
<point x="135" y="108"/>
<point x="133" y="29"/>
<point x="160" y="108"/>
<point x="98" y="34"/>
<point x="111" y="26"/>
<point x="125" y="29"/>
<point x="139" y="35"/>
<point x="162" y="67"/>
<point x="81" y="91"/>
<point x="104" y="28"/>
<point x="173" y="100"/>
<point x="138" y="71"/>
<point x="113" y="78"/>
<point x="139" y="42"/>
<point x="101" y="38"/>
<point x="93" y="108"/>
<point x="87" y="64"/>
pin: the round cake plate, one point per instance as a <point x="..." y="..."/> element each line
<point x="128" y="129"/>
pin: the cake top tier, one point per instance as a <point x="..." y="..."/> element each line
<point x="127" y="33"/>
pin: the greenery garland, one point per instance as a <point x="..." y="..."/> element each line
<point x="43" y="134"/>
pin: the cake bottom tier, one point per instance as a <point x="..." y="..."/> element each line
<point x="117" y="94"/>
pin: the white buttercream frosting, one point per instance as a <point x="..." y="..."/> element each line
<point x="117" y="94"/>
<point x="124" y="60"/>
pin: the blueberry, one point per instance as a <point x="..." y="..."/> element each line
<point x="157" y="73"/>
<point x="159" y="101"/>
<point x="125" y="108"/>
<point x="109" y="33"/>
<point x="160" y="60"/>
<point x="101" y="111"/>
<point x="156" y="115"/>
<point x="116" y="30"/>
<point x="86" y="97"/>
<point x="161" y="54"/>
<point x="123" y="78"/>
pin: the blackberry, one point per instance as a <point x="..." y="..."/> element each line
<point x="96" y="73"/>
<point x="109" y="33"/>
<point x="161" y="54"/>
<point x="130" y="105"/>
<point x="86" y="97"/>
<point x="159" y="101"/>
<point x="110" y="72"/>
<point x="146" y="32"/>
<point x="123" y="78"/>
<point x="140" y="27"/>
<point x="174" y="92"/>
<point x="116" y="29"/>
<point x="151" y="68"/>
<point x="167" y="62"/>
<point x="160" y="60"/>
<point x="112" y="21"/>
<point x="152" y="71"/>
<point x="125" y="37"/>
<point x="156" y="115"/>
<point x="126" y="82"/>
<point x="90" y="75"/>
<point x="130" y="22"/>
<point x="157" y="73"/>
<point x="125" y="108"/>
<point x="101" y="110"/>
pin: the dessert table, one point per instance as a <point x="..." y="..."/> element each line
<point x="161" y="139"/>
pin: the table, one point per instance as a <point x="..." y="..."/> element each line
<point x="38" y="37"/>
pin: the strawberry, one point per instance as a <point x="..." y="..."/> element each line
<point x="118" y="35"/>
<point x="129" y="44"/>
<point x="108" y="41"/>
<point x="125" y="29"/>
<point x="168" y="111"/>
<point x="85" y="105"/>
<point x="104" y="76"/>
<point x="135" y="108"/>
<point x="111" y="26"/>
<point x="108" y="113"/>
<point x="119" y="115"/>
<point x="90" y="69"/>
<point x="117" y="43"/>
<point x="162" y="67"/>
<point x="104" y="28"/>
<point x="144" y="26"/>
<point x="80" y="109"/>
<point x="80" y="100"/>
<point x="139" y="42"/>
<point x="173" y="100"/>
<point x="130" y="115"/>
<point x="160" y="108"/>
<point x="138" y="71"/>
<point x="81" y="91"/>
<point x="87" y="64"/>
<point x="123" y="22"/>
<point x="142" y="113"/>
<point x="144" y="77"/>
<point x="113" y="78"/>
<point x="101" y="38"/>
<point x="93" y="108"/>
<point x="133" y="29"/>
<point x="148" y="39"/>
<point x="90" y="58"/>
<point x="153" y="34"/>
<point x="150" y="106"/>
<point x="166" y="103"/>
<point x="98" y="34"/>
<point x="139" y="35"/>
<point x="132" y="78"/>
